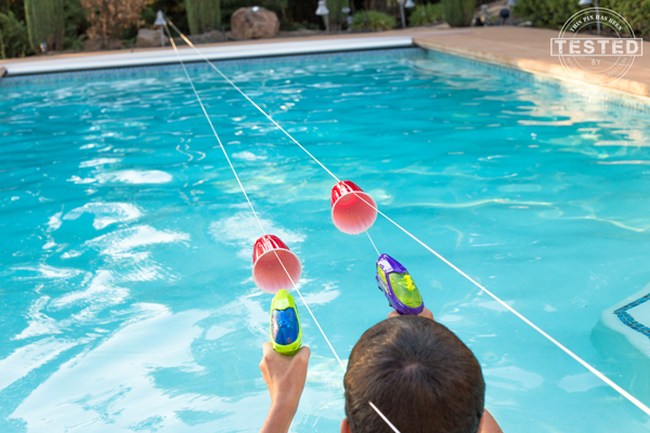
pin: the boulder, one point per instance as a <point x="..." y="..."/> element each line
<point x="254" y="23"/>
<point x="3" y="72"/>
<point x="149" y="38"/>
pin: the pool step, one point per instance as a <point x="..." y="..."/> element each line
<point x="623" y="334"/>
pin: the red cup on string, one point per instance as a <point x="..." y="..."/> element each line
<point x="275" y="266"/>
<point x="353" y="210"/>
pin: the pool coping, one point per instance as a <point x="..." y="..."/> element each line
<point x="162" y="56"/>
<point x="527" y="49"/>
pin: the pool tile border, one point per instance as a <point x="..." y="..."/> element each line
<point x="628" y="320"/>
<point x="197" y="66"/>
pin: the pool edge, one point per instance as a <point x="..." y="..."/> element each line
<point x="233" y="52"/>
<point x="545" y="69"/>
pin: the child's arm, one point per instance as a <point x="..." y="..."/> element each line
<point x="285" y="378"/>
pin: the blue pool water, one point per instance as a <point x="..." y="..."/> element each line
<point x="126" y="291"/>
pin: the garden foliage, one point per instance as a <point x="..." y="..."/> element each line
<point x="203" y="15"/>
<point x="459" y="13"/>
<point x="635" y="12"/>
<point x="109" y="19"/>
<point x="426" y="13"/>
<point x="76" y="25"/>
<point x="554" y="13"/>
<point x="44" y="20"/>
<point x="14" y="41"/>
<point x="373" y="20"/>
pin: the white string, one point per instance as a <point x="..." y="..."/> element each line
<point x="295" y="286"/>
<point x="250" y="204"/>
<point x="527" y="321"/>
<point x="214" y="131"/>
<point x="386" y="420"/>
<point x="236" y="87"/>
<point x="372" y="242"/>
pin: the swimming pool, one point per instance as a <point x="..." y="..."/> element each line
<point x="127" y="301"/>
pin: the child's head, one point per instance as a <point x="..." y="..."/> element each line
<point x="419" y="374"/>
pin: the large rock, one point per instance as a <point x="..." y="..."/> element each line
<point x="3" y="72"/>
<point x="149" y="38"/>
<point x="254" y="23"/>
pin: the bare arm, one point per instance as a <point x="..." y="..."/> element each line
<point x="285" y="378"/>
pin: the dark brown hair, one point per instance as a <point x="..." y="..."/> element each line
<point x="419" y="374"/>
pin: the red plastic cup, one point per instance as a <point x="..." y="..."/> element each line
<point x="269" y="256"/>
<point x="353" y="210"/>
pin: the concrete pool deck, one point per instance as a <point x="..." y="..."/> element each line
<point x="526" y="49"/>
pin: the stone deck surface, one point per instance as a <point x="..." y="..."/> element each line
<point x="528" y="49"/>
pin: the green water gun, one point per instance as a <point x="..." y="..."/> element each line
<point x="286" y="332"/>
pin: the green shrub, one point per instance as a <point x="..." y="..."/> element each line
<point x="15" y="6"/>
<point x="635" y="12"/>
<point x="45" y="23"/>
<point x="427" y="13"/>
<point x="546" y="13"/>
<point x="110" y="20"/>
<point x="148" y="15"/>
<point x="554" y="13"/>
<point x="336" y="15"/>
<point x="76" y="25"/>
<point x="372" y="20"/>
<point x="14" y="41"/>
<point x="203" y="15"/>
<point x="459" y="13"/>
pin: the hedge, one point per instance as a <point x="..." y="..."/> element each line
<point x="554" y="13"/>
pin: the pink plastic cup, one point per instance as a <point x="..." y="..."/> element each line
<point x="269" y="254"/>
<point x="353" y="210"/>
